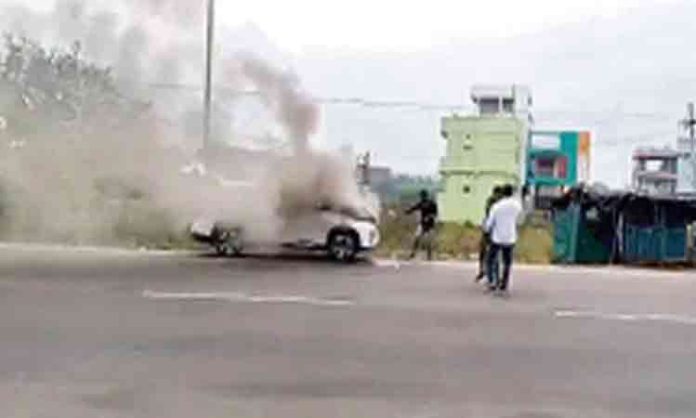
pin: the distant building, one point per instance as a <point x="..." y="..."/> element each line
<point x="556" y="160"/>
<point x="483" y="150"/>
<point x="379" y="176"/>
<point x="380" y="181"/>
<point x="655" y="171"/>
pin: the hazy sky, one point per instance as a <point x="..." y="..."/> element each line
<point x="391" y="24"/>
<point x="616" y="67"/>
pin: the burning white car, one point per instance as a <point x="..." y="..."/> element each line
<point x="343" y="233"/>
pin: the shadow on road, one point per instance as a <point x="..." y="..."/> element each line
<point x="288" y="257"/>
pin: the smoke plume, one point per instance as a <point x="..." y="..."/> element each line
<point x="128" y="170"/>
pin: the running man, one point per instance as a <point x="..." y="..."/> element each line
<point x="501" y="224"/>
<point x="426" y="228"/>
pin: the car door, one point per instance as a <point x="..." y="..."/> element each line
<point x="309" y="230"/>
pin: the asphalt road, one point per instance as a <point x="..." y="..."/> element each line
<point x="94" y="333"/>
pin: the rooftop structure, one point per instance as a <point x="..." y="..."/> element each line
<point x="512" y="100"/>
<point x="655" y="171"/>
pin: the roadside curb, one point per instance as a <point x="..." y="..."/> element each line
<point x="21" y="246"/>
<point x="614" y="271"/>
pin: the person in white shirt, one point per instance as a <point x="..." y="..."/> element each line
<point x="501" y="224"/>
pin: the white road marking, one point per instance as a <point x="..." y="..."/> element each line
<point x="395" y="264"/>
<point x="243" y="297"/>
<point x="626" y="317"/>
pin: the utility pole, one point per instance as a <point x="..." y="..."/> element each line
<point x="367" y="168"/>
<point x="363" y="169"/>
<point x="690" y="124"/>
<point x="207" y="99"/>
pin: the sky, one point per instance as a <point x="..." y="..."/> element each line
<point x="300" y="25"/>
<point x="398" y="25"/>
<point x="615" y="67"/>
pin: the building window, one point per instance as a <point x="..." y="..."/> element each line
<point x="508" y="106"/>
<point x="556" y="168"/>
<point x="466" y="189"/>
<point x="545" y="167"/>
<point x="489" y="106"/>
<point x="562" y="168"/>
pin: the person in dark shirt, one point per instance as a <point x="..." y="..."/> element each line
<point x="485" y="237"/>
<point x="425" y="234"/>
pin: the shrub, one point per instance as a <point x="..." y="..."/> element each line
<point x="535" y="245"/>
<point x="458" y="241"/>
<point x="461" y="241"/>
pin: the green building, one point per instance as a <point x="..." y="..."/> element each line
<point x="483" y="150"/>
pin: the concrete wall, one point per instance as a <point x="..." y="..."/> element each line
<point x="481" y="152"/>
<point x="685" y="171"/>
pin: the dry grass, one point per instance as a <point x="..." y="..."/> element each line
<point x="461" y="242"/>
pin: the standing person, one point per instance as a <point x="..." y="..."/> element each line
<point x="501" y="224"/>
<point x="485" y="241"/>
<point x="426" y="228"/>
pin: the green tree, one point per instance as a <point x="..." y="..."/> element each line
<point x="57" y="91"/>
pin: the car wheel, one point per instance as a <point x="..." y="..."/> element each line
<point x="229" y="244"/>
<point x="343" y="246"/>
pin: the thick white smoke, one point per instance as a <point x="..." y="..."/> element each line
<point x="100" y="182"/>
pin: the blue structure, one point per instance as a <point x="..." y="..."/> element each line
<point x="556" y="160"/>
<point x="656" y="229"/>
<point x="592" y="227"/>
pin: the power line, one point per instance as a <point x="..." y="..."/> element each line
<point x="359" y="101"/>
<point x="606" y="115"/>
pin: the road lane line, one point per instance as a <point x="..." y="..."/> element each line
<point x="627" y="317"/>
<point x="243" y="297"/>
<point x="386" y="263"/>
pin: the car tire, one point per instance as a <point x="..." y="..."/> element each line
<point x="229" y="244"/>
<point x="343" y="246"/>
